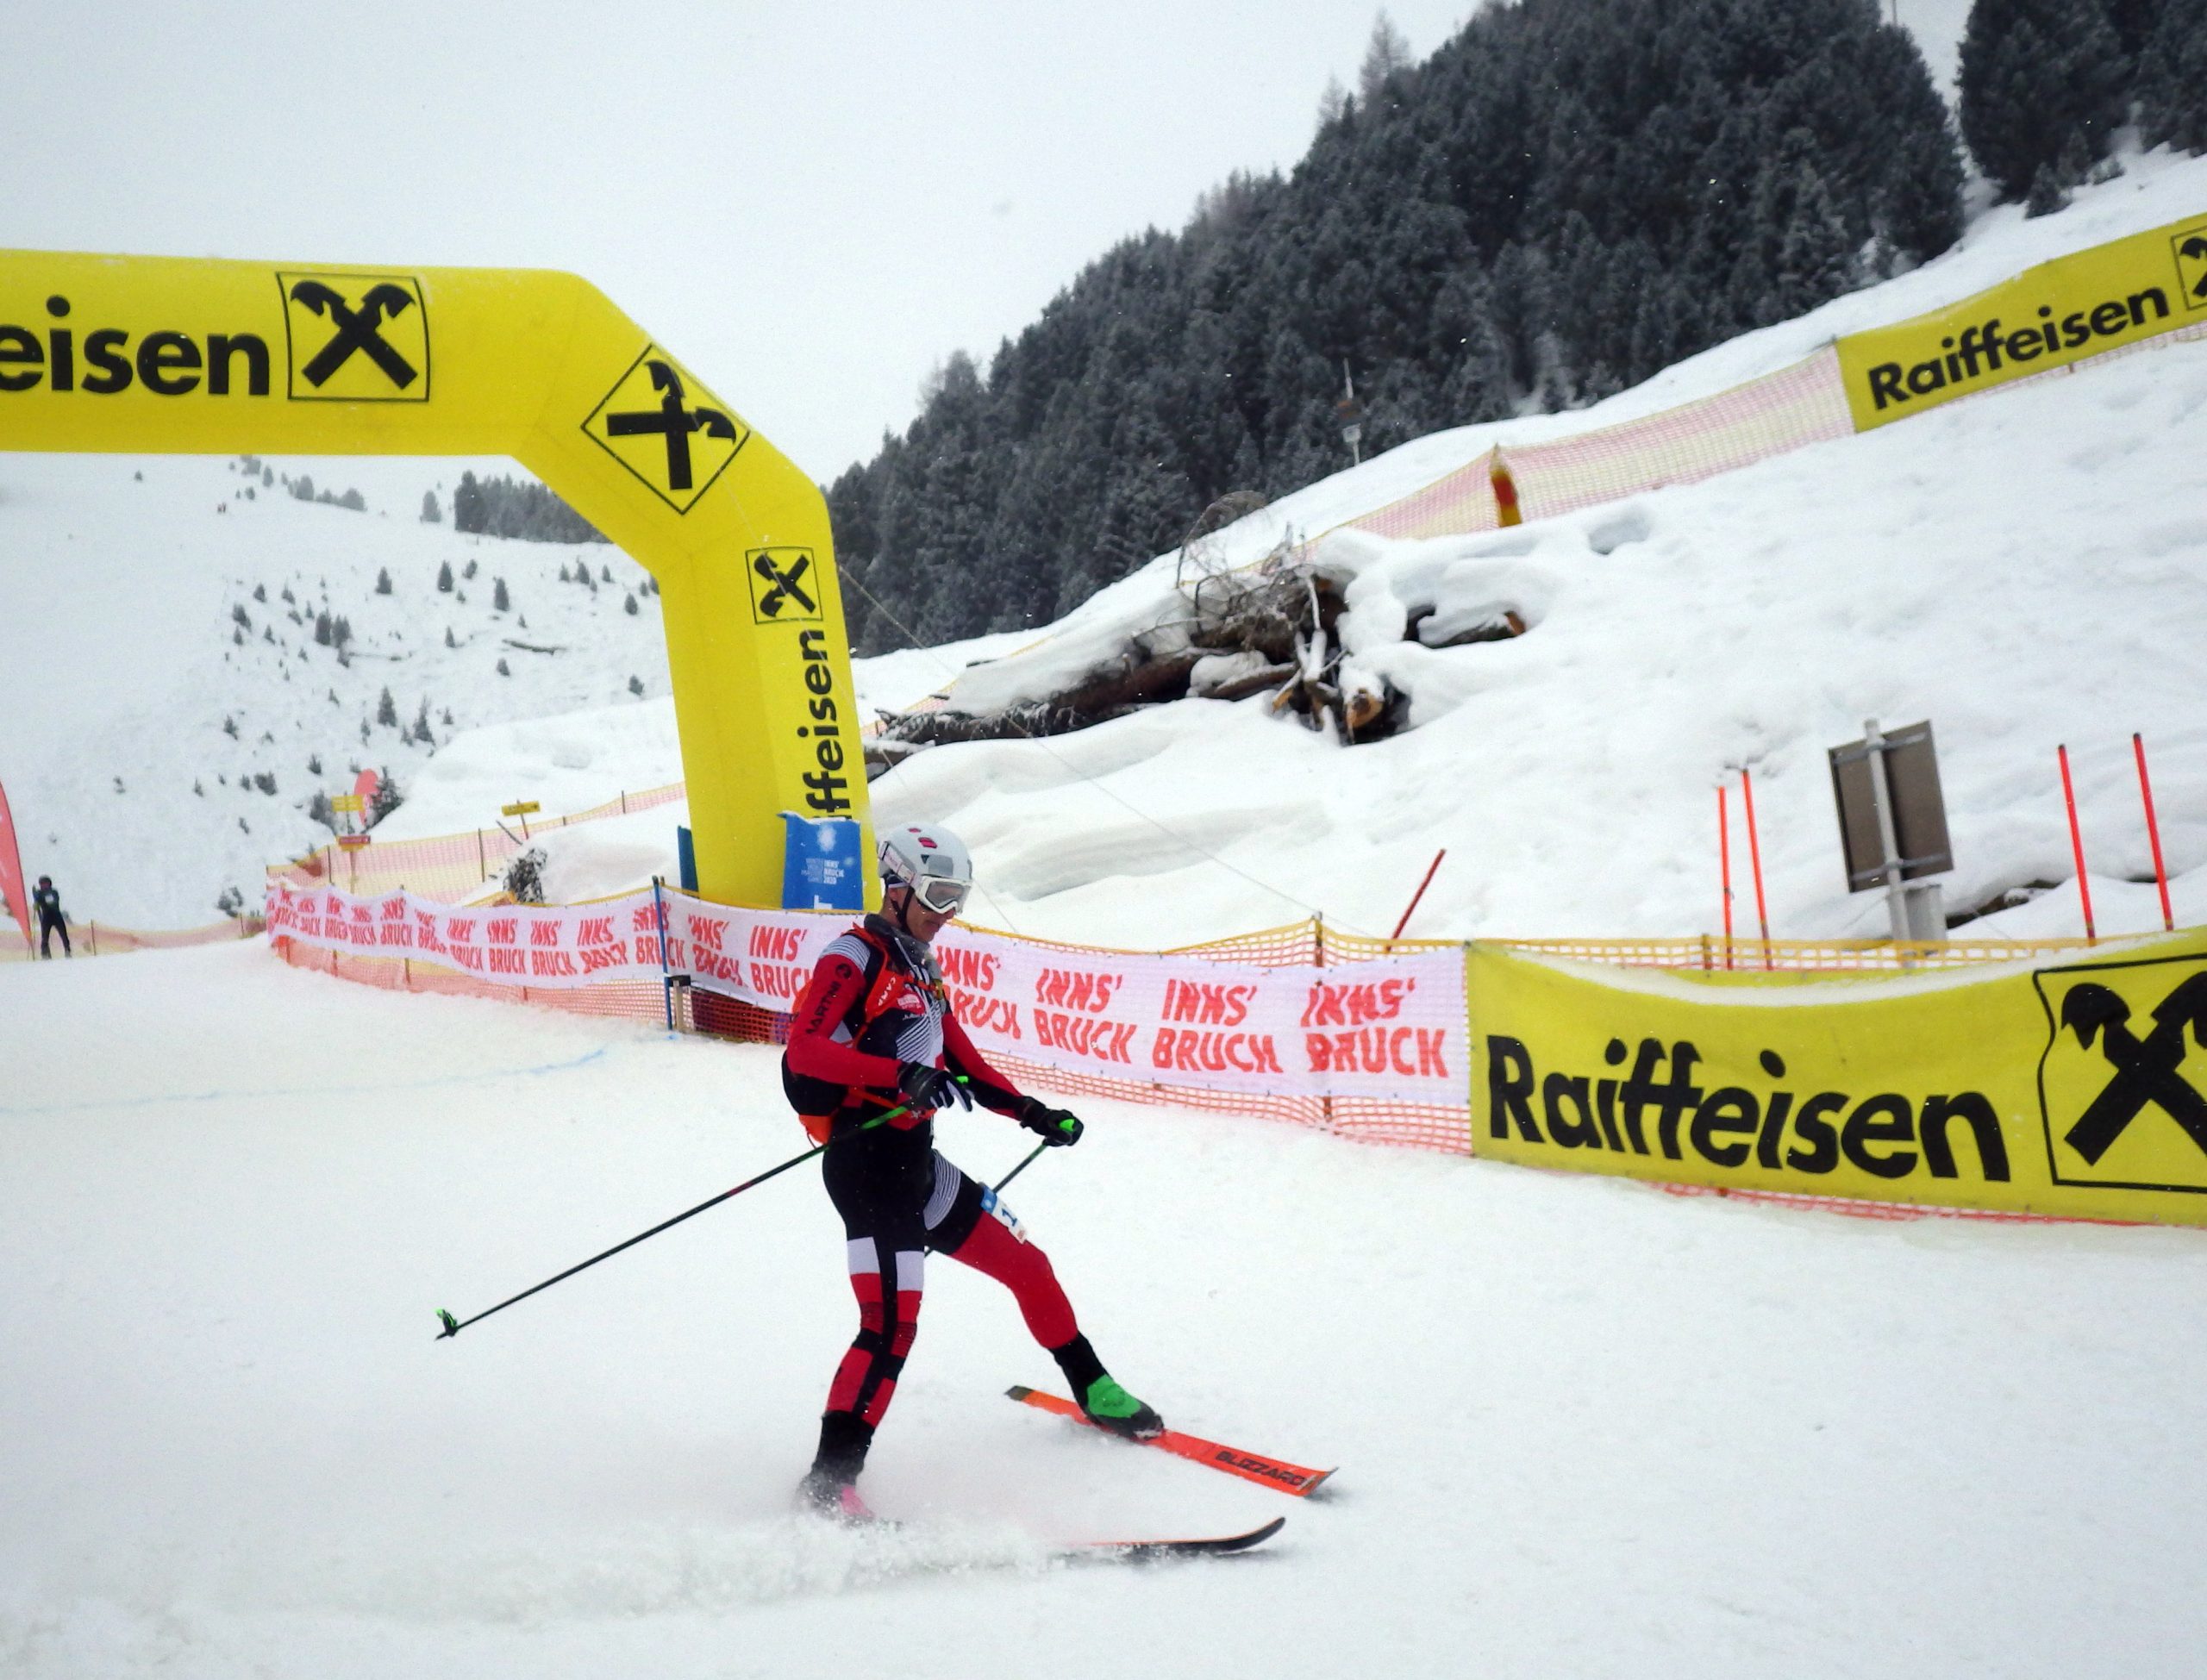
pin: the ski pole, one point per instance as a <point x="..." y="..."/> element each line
<point x="1022" y="1166"/>
<point x="453" y="1327"/>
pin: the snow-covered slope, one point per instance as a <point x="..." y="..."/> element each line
<point x="122" y="660"/>
<point x="1585" y="1429"/>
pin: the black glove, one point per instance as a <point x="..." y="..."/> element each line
<point x="930" y="1087"/>
<point x="1059" y="1127"/>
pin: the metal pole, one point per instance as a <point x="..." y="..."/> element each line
<point x="1419" y="894"/>
<point x="2077" y="843"/>
<point x="1724" y="866"/>
<point x="1881" y="796"/>
<point x="665" y="987"/>
<point x="1754" y="859"/>
<point x="2154" y="834"/>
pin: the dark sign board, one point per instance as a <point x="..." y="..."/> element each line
<point x="1918" y="810"/>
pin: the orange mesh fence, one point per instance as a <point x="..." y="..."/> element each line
<point x="1807" y="959"/>
<point x="1798" y="405"/>
<point x="1310" y="946"/>
<point x="453" y="867"/>
<point x="104" y="938"/>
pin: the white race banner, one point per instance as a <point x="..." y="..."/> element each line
<point x="513" y="945"/>
<point x="1391" y="1028"/>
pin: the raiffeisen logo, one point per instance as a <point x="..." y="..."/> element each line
<point x="1989" y="346"/>
<point x="825" y="784"/>
<point x="1656" y="1109"/>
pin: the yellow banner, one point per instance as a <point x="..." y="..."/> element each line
<point x="2059" y="312"/>
<point x="171" y="354"/>
<point x="2077" y="1089"/>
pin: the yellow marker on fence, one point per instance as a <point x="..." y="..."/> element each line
<point x="520" y="808"/>
<point x="126" y="354"/>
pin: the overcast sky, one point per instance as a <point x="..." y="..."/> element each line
<point x="811" y="205"/>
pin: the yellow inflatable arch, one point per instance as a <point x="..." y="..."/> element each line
<point x="144" y="354"/>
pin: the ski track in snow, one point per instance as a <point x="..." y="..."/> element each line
<point x="1583" y="1428"/>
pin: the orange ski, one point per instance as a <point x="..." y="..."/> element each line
<point x="1249" y="1466"/>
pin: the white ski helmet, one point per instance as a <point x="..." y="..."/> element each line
<point x="933" y="862"/>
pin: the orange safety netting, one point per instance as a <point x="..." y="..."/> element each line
<point x="1798" y="405"/>
<point x="104" y="938"/>
<point x="453" y="867"/>
<point x="1445" y="1127"/>
<point x="1826" y="959"/>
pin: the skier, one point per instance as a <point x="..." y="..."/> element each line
<point x="47" y="902"/>
<point x="873" y="1032"/>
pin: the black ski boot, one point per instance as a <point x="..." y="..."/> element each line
<point x="830" y="1487"/>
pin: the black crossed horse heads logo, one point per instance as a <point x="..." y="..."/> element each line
<point x="2192" y="248"/>
<point x="785" y="585"/>
<point x="359" y="332"/>
<point x="674" y="420"/>
<point x="2147" y="1071"/>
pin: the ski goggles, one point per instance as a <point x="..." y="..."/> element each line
<point x="940" y="894"/>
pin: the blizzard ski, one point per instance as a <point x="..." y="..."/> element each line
<point x="1249" y="1466"/>
<point x="1150" y="1551"/>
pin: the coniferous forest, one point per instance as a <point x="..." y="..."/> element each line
<point x="1567" y="196"/>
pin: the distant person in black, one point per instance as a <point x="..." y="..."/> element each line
<point x="50" y="919"/>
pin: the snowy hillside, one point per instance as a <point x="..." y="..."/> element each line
<point x="2025" y="569"/>
<point x="159" y="654"/>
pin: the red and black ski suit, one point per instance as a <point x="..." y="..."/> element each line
<point x="876" y="1002"/>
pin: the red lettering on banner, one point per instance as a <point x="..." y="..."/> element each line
<point x="593" y="930"/>
<point x="397" y="933"/>
<point x="1415" y="1051"/>
<point x="552" y="962"/>
<point x="716" y="966"/>
<point x="425" y="932"/>
<point x="468" y="956"/>
<point x="780" y="944"/>
<point x="996" y="1017"/>
<point x="1077" y="989"/>
<point x="962" y="965"/>
<point x="596" y="957"/>
<point x="543" y="931"/>
<point x="1102" y="1041"/>
<point x="394" y="909"/>
<point x="778" y="980"/>
<point x="459" y="930"/>
<point x="509" y="962"/>
<point x="1210" y="1005"/>
<point x="706" y="934"/>
<point x="500" y="930"/>
<point x="1215" y="1052"/>
<point x="644" y="919"/>
<point x="1353" y="1004"/>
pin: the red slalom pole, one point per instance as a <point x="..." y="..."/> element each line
<point x="1724" y="862"/>
<point x="2154" y="833"/>
<point x="1754" y="856"/>
<point x="1419" y="894"/>
<point x="2077" y="843"/>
